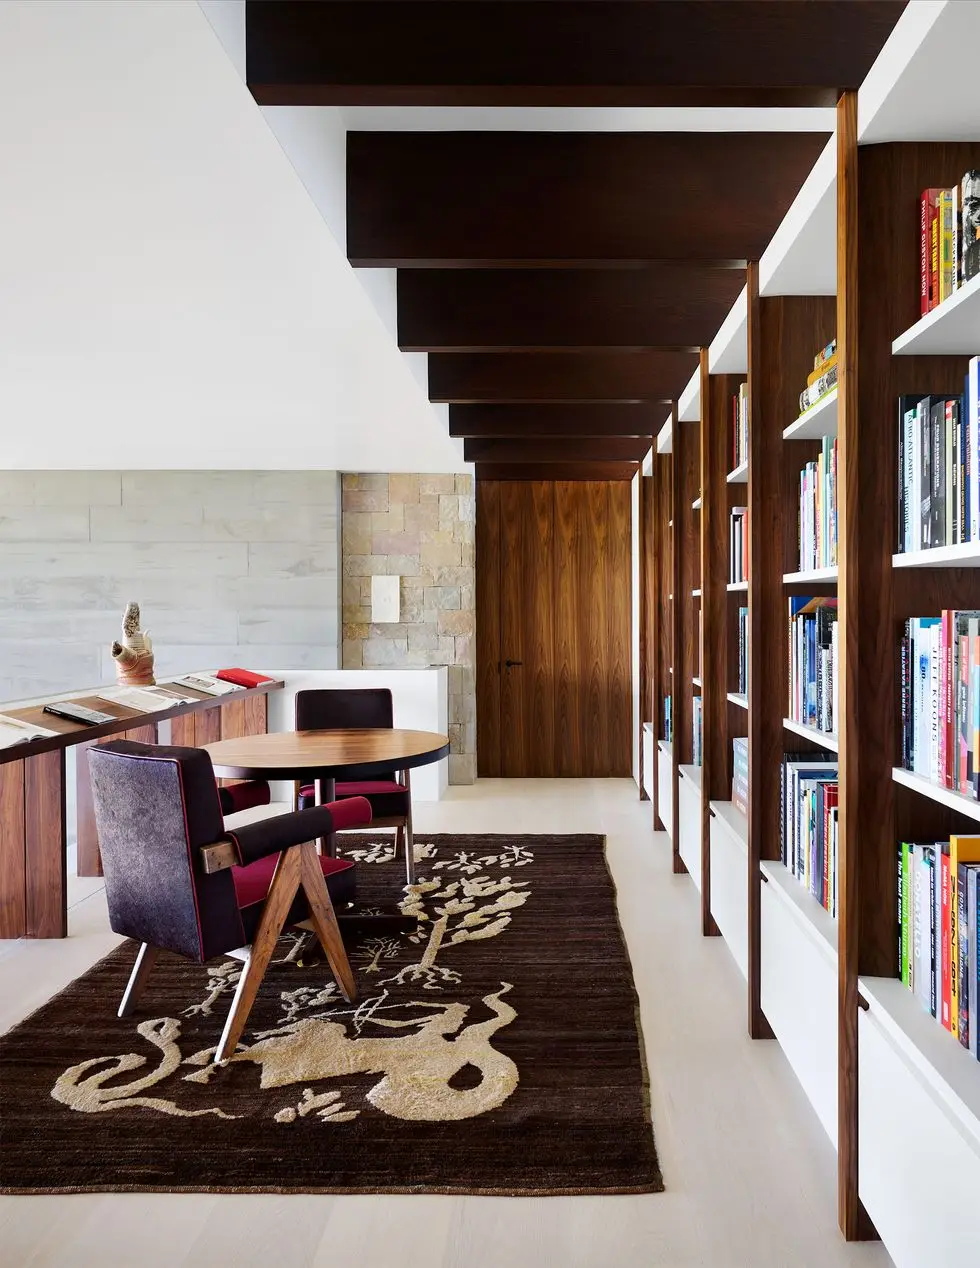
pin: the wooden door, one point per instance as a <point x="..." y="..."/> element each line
<point x="553" y="628"/>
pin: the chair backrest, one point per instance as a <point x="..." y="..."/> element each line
<point x="155" y="806"/>
<point x="341" y="708"/>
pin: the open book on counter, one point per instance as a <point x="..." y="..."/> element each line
<point x="15" y="731"/>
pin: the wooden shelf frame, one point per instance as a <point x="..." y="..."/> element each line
<point x="686" y="563"/>
<point x="659" y="512"/>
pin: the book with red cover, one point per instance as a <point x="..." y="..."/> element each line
<point x="927" y="211"/>
<point x="243" y="677"/>
<point x="945" y="1015"/>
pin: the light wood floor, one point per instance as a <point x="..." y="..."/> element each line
<point x="750" y="1174"/>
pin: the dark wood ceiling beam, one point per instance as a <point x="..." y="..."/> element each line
<point x="525" y="422"/>
<point x="483" y="310"/>
<point x="771" y="53"/>
<point x="560" y="449"/>
<point x="515" y="378"/>
<point x="496" y="199"/>
<point x="556" y="470"/>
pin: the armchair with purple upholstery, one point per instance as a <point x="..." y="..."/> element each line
<point x="390" y="794"/>
<point x="178" y="880"/>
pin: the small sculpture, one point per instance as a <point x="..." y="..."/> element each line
<point x="134" y="654"/>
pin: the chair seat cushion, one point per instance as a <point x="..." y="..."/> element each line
<point x="387" y="797"/>
<point x="252" y="885"/>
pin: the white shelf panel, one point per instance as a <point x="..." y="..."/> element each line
<point x="801" y="258"/>
<point x="740" y="475"/>
<point x="689" y="402"/>
<point x="824" y="738"/>
<point x="696" y="504"/>
<point x="665" y="437"/>
<point x="693" y="773"/>
<point x="957" y="801"/>
<point x="952" y="329"/>
<point x="737" y="587"/>
<point x="822" y="575"/>
<point x="648" y="727"/>
<point x="729" y="856"/>
<point x="664" y="746"/>
<point x="736" y="697"/>
<point x="695" y="594"/>
<point x="966" y="555"/>
<point x="696" y="682"/>
<point x="689" y="821"/>
<point x="734" y="821"/>
<point x="729" y="350"/>
<point x="817" y="922"/>
<point x="818" y="421"/>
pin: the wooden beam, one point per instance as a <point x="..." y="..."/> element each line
<point x="574" y="54"/>
<point x="569" y="199"/>
<point x="524" y="422"/>
<point x="556" y="470"/>
<point x="575" y="449"/>
<point x="487" y="310"/>
<point x="558" y="377"/>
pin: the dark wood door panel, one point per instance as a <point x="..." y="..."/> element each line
<point x="488" y="667"/>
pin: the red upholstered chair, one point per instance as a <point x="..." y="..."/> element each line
<point x="389" y="793"/>
<point x="177" y="880"/>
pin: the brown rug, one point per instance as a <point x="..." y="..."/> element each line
<point x="494" y="1050"/>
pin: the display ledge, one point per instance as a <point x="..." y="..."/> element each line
<point x="664" y="746"/>
<point x="817" y="922"/>
<point x="736" y="697"/>
<point x="693" y="773"/>
<point x="960" y="802"/>
<point x="811" y="575"/>
<point x="695" y="594"/>
<point x="966" y="555"/>
<point x="696" y="681"/>
<point x="949" y="330"/>
<point x="950" y="1074"/>
<point x="740" y="475"/>
<point x="734" y="821"/>
<point x="696" y="504"/>
<point x="648" y="726"/>
<point x="665" y="436"/>
<point x="824" y="738"/>
<point x="737" y="587"/>
<point x="818" y="421"/>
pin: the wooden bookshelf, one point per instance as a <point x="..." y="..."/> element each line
<point x="685" y="538"/>
<point x="661" y="621"/>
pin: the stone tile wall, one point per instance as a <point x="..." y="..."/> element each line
<point x="420" y="528"/>
<point x="229" y="567"/>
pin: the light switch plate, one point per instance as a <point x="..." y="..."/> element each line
<point x="385" y="600"/>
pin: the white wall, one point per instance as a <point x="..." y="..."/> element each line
<point x="170" y="294"/>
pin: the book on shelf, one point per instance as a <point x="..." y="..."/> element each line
<point x="144" y="699"/>
<point x="937" y="931"/>
<point x="939" y="467"/>
<point x="819" y="388"/>
<point x="668" y="722"/>
<point x="207" y="684"/>
<point x="696" y="730"/>
<point x="949" y="240"/>
<point x="740" y="426"/>
<point x="939" y="697"/>
<point x="814" y="652"/>
<point x="818" y="509"/>
<point x="738" y="544"/>
<point x="823" y="360"/>
<point x="740" y="774"/>
<point x="809" y="819"/>
<point x="743" y="651"/>
<point x="17" y="731"/>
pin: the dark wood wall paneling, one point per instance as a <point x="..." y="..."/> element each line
<point x="559" y="377"/>
<point x="519" y="422"/>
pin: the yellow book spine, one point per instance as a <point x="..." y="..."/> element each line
<point x="821" y="369"/>
<point x="961" y="850"/>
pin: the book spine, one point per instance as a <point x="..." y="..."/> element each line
<point x="961" y="984"/>
<point x="944" y="935"/>
<point x="925" y="272"/>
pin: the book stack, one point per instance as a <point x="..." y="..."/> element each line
<point x="949" y="240"/>
<point x="822" y="379"/>
<point x="743" y="651"/>
<point x="738" y="544"/>
<point x="668" y="733"/>
<point x="818" y="509"/>
<point x="696" y="731"/>
<point x="939" y="467"/>
<point x="813" y="661"/>
<point x="809" y="815"/>
<point x="740" y="426"/>
<point x="938" y="902"/>
<point x="940" y="699"/>
<point x="740" y="774"/>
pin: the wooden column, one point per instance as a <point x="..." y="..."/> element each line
<point x="682" y="662"/>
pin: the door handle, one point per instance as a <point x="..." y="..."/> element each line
<point x="509" y="663"/>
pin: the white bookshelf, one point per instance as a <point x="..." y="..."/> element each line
<point x="737" y="587"/>
<point x="740" y="475"/>
<point x="819" y="420"/>
<point x="695" y="594"/>
<point x="812" y="918"/>
<point x="734" y="821"/>
<point x="735" y="697"/>
<point x="825" y="739"/>
<point x="810" y="576"/>
<point x="965" y="555"/>
<point x="728" y="352"/>
<point x="951" y="329"/>
<point x="696" y="682"/>
<point x="696" y="504"/>
<point x="960" y="802"/>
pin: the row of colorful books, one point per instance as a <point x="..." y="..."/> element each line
<point x="668" y="722"/>
<point x="814" y="653"/>
<point x="939" y="467"/>
<point x="818" y="509"/>
<point x="809" y="794"/>
<point x="940" y="699"/>
<point x="738" y="544"/>
<point x="822" y="379"/>
<point x="743" y="651"/>
<point x="740" y="773"/>
<point x="696" y="730"/>
<point x="740" y="426"/>
<point x="949" y="240"/>
<point x="938" y="904"/>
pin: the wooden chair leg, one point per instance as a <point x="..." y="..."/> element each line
<point x="325" y="922"/>
<point x="409" y="834"/>
<point x="282" y="891"/>
<point x="146" y="957"/>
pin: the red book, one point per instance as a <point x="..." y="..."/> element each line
<point x="945" y="1015"/>
<point x="831" y="795"/>
<point x="946" y="748"/>
<point x="243" y="677"/>
<point x="927" y="210"/>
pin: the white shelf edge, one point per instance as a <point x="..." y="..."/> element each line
<point x="740" y="475"/>
<point x="823" y="738"/>
<point x="736" y="697"/>
<point x="737" y="587"/>
<point x="734" y="821"/>
<point x="818" y="923"/>
<point x="950" y="1074"/>
<point x="665" y="436"/>
<point x="957" y="318"/>
<point x="689" y="401"/>
<point x="648" y="726"/>
<point x="728" y="352"/>
<point x="696" y="594"/>
<point x="664" y="746"/>
<point x="822" y="575"/>
<point x="957" y="801"/>
<point x="696" y="681"/>
<point x="693" y="773"/>
<point x="819" y="420"/>
<point x="696" y="504"/>
<point x="965" y="555"/>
